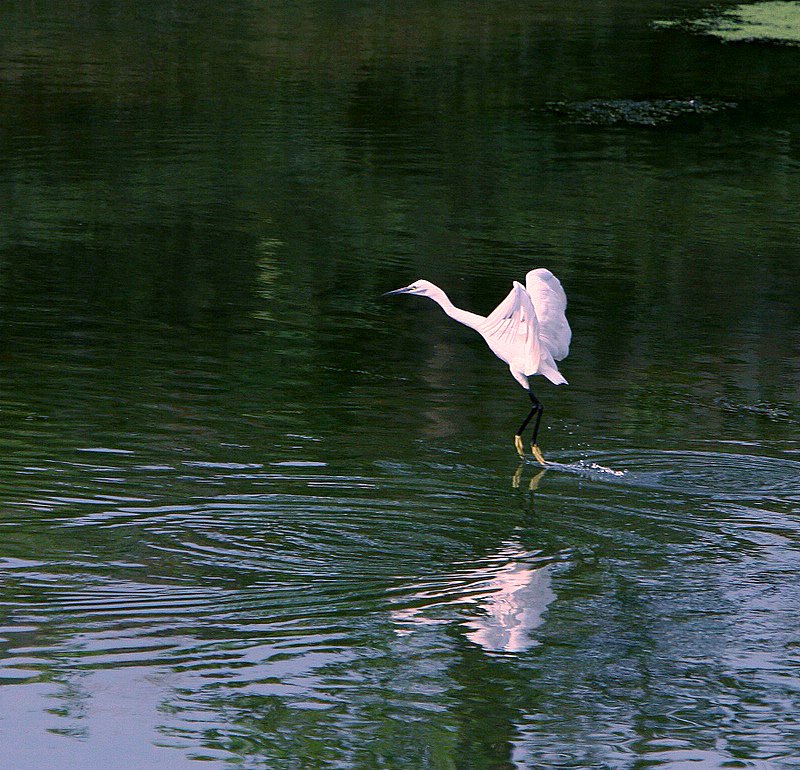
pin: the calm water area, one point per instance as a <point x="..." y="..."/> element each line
<point x="254" y="515"/>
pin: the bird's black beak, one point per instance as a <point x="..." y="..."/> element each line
<point x="404" y="290"/>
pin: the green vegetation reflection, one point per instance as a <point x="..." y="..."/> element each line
<point x="777" y="21"/>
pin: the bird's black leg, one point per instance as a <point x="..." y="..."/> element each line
<point x="536" y="409"/>
<point x="525" y="422"/>
<point x="539" y="408"/>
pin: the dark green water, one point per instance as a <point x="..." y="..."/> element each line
<point x="252" y="514"/>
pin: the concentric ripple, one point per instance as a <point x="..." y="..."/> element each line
<point x="293" y="592"/>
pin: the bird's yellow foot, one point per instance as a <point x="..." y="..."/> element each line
<point x="518" y="445"/>
<point x="537" y="453"/>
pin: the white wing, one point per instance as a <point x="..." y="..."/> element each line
<point x="511" y="331"/>
<point x="550" y="304"/>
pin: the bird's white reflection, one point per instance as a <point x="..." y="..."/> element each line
<point x="503" y="600"/>
<point x="512" y="606"/>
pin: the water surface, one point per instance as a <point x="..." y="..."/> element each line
<point x="253" y="515"/>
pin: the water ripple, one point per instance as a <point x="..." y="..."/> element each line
<point x="295" y="583"/>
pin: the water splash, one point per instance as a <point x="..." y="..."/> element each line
<point x="717" y="475"/>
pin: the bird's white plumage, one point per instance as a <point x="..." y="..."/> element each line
<point x="550" y="302"/>
<point x="528" y="329"/>
<point x="511" y="331"/>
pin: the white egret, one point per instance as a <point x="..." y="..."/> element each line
<point x="528" y="330"/>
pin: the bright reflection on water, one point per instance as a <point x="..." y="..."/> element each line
<point x="253" y="515"/>
<point x="515" y="598"/>
<point x="510" y="597"/>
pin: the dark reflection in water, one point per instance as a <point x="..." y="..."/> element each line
<point x="250" y="514"/>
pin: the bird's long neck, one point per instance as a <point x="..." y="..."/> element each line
<point x="473" y="320"/>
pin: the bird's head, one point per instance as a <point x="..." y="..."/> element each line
<point x="421" y="287"/>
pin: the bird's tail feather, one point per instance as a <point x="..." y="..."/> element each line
<point x="552" y="374"/>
